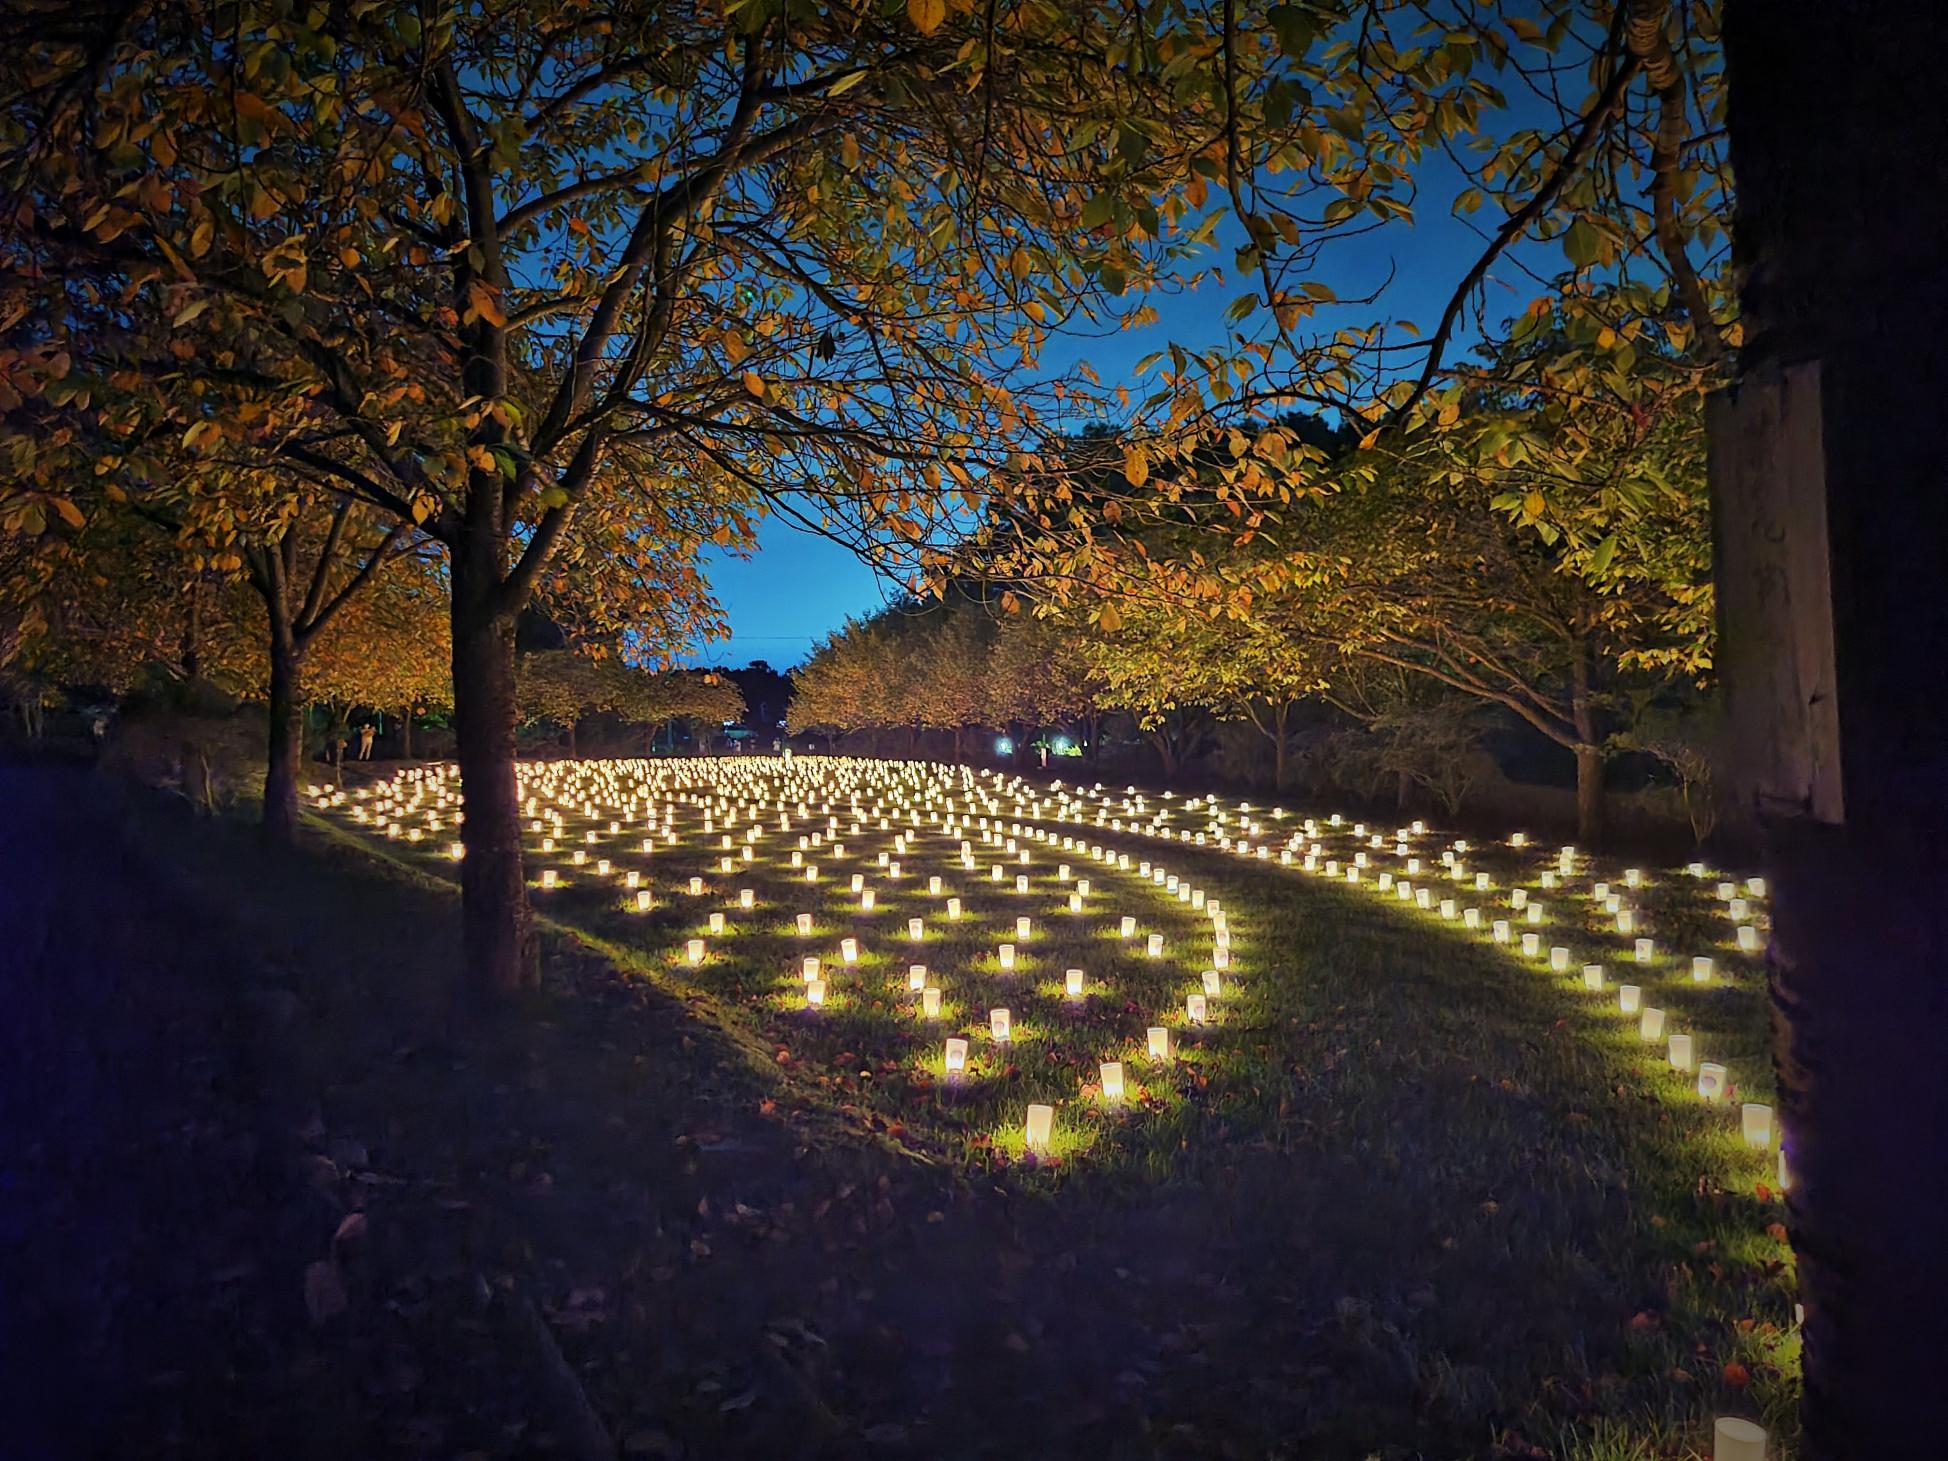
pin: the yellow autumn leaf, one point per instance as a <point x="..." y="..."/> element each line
<point x="480" y="303"/>
<point x="734" y="346"/>
<point x="926" y="15"/>
<point x="1108" y="620"/>
<point x="1533" y="504"/>
<point x="754" y="383"/>
<point x="1136" y="466"/>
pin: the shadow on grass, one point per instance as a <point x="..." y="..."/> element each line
<point x="1412" y="1204"/>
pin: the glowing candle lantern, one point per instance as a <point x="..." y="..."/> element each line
<point x="1112" y="1075"/>
<point x="1519" y="899"/>
<point x="849" y="950"/>
<point x="1073" y="984"/>
<point x="814" y="993"/>
<point x="1727" y="891"/>
<point x="953" y="908"/>
<point x="1548" y="880"/>
<point x="1592" y="976"/>
<point x="1614" y="904"/>
<point x="858" y="882"/>
<point x="1748" y="939"/>
<point x="1651" y="1026"/>
<point x="1196" y="1008"/>
<point x="1023" y="927"/>
<point x="1755" y="1122"/>
<point x="579" y="858"/>
<point x="548" y="877"/>
<point x="1629" y="998"/>
<point x="803" y="923"/>
<point x="1531" y="945"/>
<point x="1601" y="892"/>
<point x="1075" y="902"/>
<point x="996" y="873"/>
<point x="642" y="901"/>
<point x="1385" y="881"/>
<point x="696" y="887"/>
<point x="916" y="977"/>
<point x="1154" y="946"/>
<point x="1733" y="1439"/>
<point x="1159" y="1038"/>
<point x="547" y="844"/>
<point x="1040" y="1125"/>
<point x="1126" y="928"/>
<point x="810" y="966"/>
<point x="1755" y="886"/>
<point x="933" y="887"/>
<point x="1633" y="877"/>
<point x="930" y="1003"/>
<point x="693" y="951"/>
<point x="1481" y="882"/>
<point x="1471" y="918"/>
<point x="867" y="901"/>
<point x="1221" y="956"/>
<point x="747" y="898"/>
<point x="1423" y="898"/>
<point x="1645" y="950"/>
<point x="1701" y="968"/>
<point x="915" y="928"/>
<point x="1000" y="1025"/>
<point x="716" y="923"/>
<point x="1680" y="1055"/>
<point x="602" y="866"/>
<point x="1007" y="956"/>
<point x="1737" y="910"/>
<point x="811" y="874"/>
<point x="1534" y="912"/>
<point x="1447" y="908"/>
<point x="1062" y="873"/>
<point x="1082" y="888"/>
<point x="956" y="1055"/>
<point x="1711" y="1081"/>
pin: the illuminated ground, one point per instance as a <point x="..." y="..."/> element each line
<point x="1406" y="1194"/>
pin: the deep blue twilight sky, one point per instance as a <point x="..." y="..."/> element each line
<point x="798" y="587"/>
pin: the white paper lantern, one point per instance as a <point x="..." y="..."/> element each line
<point x="1629" y="998"/>
<point x="1159" y="1042"/>
<point x="1039" y="1127"/>
<point x="1000" y="1025"/>
<point x="1112" y="1078"/>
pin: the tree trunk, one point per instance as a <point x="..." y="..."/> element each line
<point x="571" y="738"/>
<point x="285" y="753"/>
<point x="1826" y="470"/>
<point x="1590" y="806"/>
<point x="1280" y="714"/>
<point x="406" y="734"/>
<point x="192" y="648"/>
<point x="502" y="954"/>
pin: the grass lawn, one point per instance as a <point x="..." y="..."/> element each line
<point x="1407" y="1192"/>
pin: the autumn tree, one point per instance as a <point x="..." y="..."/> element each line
<point x="660" y="267"/>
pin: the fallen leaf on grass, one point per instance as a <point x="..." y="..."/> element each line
<point x="1737" y="1376"/>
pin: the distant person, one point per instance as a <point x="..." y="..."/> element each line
<point x="365" y="733"/>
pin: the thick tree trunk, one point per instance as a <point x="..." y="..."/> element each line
<point x="406" y="734"/>
<point x="502" y="955"/>
<point x="1590" y="805"/>
<point x="1591" y="827"/>
<point x="1830" y="521"/>
<point x="285" y="753"/>
<point x="571" y="739"/>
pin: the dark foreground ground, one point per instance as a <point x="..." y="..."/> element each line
<point x="261" y="1196"/>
